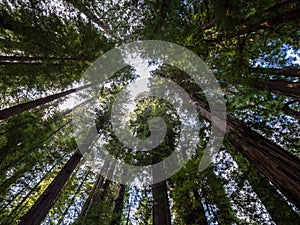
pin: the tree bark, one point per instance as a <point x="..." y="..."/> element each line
<point x="17" y="109"/>
<point x="161" y="208"/>
<point x="281" y="87"/>
<point x="290" y="111"/>
<point x="287" y="72"/>
<point x="98" y="183"/>
<point x="118" y="209"/>
<point x="72" y="201"/>
<point x="21" y="58"/>
<point x="39" y="210"/>
<point x="280" y="211"/>
<point x="93" y="207"/>
<point x="277" y="164"/>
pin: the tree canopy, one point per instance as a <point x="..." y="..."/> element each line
<point x="251" y="47"/>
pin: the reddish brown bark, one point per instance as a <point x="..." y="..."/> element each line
<point x="291" y="89"/>
<point x="161" y="208"/>
<point x="17" y="109"/>
<point x="277" y="164"/>
<point x="39" y="210"/>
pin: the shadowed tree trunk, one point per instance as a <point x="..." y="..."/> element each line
<point x="161" y="208"/>
<point x="98" y="183"/>
<point x="119" y="203"/>
<point x="17" y="109"/>
<point x="39" y="210"/>
<point x="277" y="164"/>
<point x="280" y="211"/>
<point x="93" y="209"/>
<point x="287" y="72"/>
<point x="72" y="201"/>
<point x="289" y="111"/>
<point x="290" y="89"/>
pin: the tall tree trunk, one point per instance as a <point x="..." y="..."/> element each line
<point x="290" y="89"/>
<point x="39" y="210"/>
<point x="280" y="211"/>
<point x="98" y="183"/>
<point x="119" y="203"/>
<point x="72" y="201"/>
<point x="161" y="208"/>
<point x="17" y="109"/>
<point x="21" y="58"/>
<point x="277" y="164"/>
<point x="31" y="191"/>
<point x="289" y="111"/>
<point x="93" y="208"/>
<point x="287" y="72"/>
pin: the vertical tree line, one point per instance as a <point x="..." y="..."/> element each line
<point x="253" y="50"/>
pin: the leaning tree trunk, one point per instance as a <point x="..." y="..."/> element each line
<point x="280" y="211"/>
<point x="17" y="109"/>
<point x="98" y="183"/>
<point x="277" y="164"/>
<point x="214" y="192"/>
<point x="287" y="72"/>
<point x="290" y="89"/>
<point x="39" y="210"/>
<point x="93" y="209"/>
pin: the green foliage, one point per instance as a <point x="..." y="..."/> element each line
<point x="46" y="46"/>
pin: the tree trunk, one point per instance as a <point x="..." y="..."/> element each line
<point x="39" y="210"/>
<point x="118" y="209"/>
<point x="33" y="189"/>
<point x="161" y="208"/>
<point x="291" y="112"/>
<point x="281" y="87"/>
<point x="72" y="201"/>
<point x="17" y="109"/>
<point x="193" y="214"/>
<point x="21" y="58"/>
<point x="287" y="72"/>
<point x="280" y="211"/>
<point x="98" y="184"/>
<point x="93" y="208"/>
<point x="277" y="164"/>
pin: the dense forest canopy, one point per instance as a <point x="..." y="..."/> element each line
<point x="251" y="47"/>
